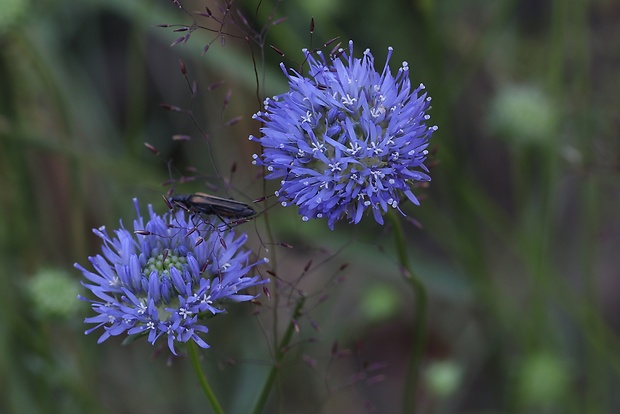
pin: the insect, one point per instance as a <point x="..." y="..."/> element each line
<point x="203" y="203"/>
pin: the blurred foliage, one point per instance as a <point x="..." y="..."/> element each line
<point x="518" y="239"/>
<point x="443" y="378"/>
<point x="52" y="294"/>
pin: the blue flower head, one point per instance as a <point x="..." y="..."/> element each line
<point x="163" y="277"/>
<point x="345" y="138"/>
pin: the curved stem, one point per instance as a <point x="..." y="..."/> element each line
<point x="202" y="379"/>
<point x="275" y="291"/>
<point x="419" y="328"/>
<point x="279" y="355"/>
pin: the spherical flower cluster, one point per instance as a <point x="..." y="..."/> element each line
<point x="163" y="277"/>
<point x="345" y="138"/>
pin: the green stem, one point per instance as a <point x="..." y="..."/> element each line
<point x="202" y="379"/>
<point x="279" y="355"/>
<point x="419" y="329"/>
<point x="275" y="292"/>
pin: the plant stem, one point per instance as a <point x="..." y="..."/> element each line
<point x="202" y="379"/>
<point x="419" y="328"/>
<point x="279" y="355"/>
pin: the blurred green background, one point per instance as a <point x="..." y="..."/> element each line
<point x="519" y="227"/>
